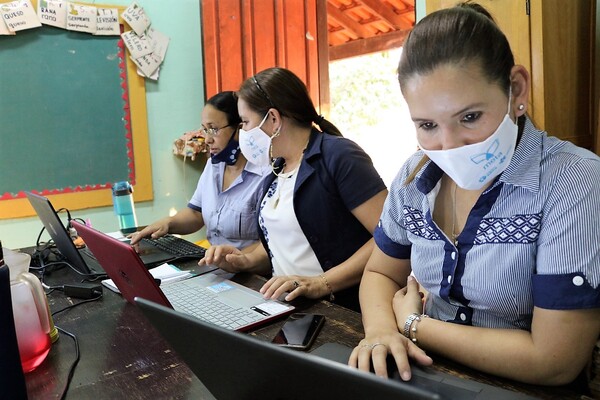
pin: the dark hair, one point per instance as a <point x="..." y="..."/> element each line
<point x="281" y="89"/>
<point x="461" y="34"/>
<point x="227" y="102"/>
<point x="457" y="35"/>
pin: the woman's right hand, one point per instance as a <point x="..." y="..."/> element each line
<point x="226" y="257"/>
<point x="374" y="350"/>
<point x="155" y="230"/>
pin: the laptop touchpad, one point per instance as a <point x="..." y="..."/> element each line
<point x="237" y="299"/>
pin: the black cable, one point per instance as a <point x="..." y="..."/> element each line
<point x="74" y="364"/>
<point x="87" y="277"/>
<point x="79" y="219"/>
<point x="61" y="260"/>
<point x="72" y="368"/>
<point x="37" y="242"/>
<point x="76" y="304"/>
<point x="68" y="216"/>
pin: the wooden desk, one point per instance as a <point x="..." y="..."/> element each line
<point x="122" y="355"/>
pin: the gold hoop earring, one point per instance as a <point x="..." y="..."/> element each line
<point x="276" y="133"/>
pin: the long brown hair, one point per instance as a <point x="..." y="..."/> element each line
<point x="281" y="89"/>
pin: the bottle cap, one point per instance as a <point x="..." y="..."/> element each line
<point x="122" y="188"/>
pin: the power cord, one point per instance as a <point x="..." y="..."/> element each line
<point x="84" y="290"/>
<point x="76" y="304"/>
<point x="73" y="365"/>
<point x="41" y="258"/>
<point x="74" y="337"/>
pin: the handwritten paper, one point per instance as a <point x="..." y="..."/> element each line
<point x="81" y="18"/>
<point x="136" y="17"/>
<point x="138" y="46"/>
<point x="19" y="15"/>
<point x="154" y="75"/>
<point x="53" y="12"/>
<point x="107" y="22"/>
<point x="4" y="29"/>
<point x="148" y="64"/>
<point x="159" y="42"/>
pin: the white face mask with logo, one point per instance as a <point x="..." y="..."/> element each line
<point x="255" y="144"/>
<point x="474" y="165"/>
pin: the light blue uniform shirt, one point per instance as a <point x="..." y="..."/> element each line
<point x="532" y="238"/>
<point x="230" y="216"/>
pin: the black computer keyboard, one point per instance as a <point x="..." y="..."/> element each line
<point x="177" y="246"/>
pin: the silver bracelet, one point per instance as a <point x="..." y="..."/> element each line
<point x="413" y="329"/>
<point x="409" y="321"/>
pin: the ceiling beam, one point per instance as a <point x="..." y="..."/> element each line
<point x="383" y="11"/>
<point x="374" y="44"/>
<point x="347" y="22"/>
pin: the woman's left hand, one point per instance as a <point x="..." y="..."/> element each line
<point x="407" y="300"/>
<point x="309" y="286"/>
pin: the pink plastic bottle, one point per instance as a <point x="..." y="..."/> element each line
<point x="30" y="308"/>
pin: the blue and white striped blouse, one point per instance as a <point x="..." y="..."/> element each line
<point x="532" y="238"/>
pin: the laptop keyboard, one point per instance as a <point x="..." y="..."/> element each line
<point x="203" y="304"/>
<point x="180" y="248"/>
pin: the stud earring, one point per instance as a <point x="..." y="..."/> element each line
<point x="521" y="107"/>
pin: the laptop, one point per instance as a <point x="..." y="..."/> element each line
<point x="80" y="259"/>
<point x="211" y="297"/>
<point x="265" y="371"/>
<point x="152" y="252"/>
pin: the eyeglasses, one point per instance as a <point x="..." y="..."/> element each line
<point x="211" y="132"/>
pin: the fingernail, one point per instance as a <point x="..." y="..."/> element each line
<point x="410" y="278"/>
<point x="405" y="376"/>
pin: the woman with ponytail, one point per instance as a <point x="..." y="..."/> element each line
<point x="320" y="205"/>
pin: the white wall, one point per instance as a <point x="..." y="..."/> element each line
<point x="174" y="106"/>
<point x="420" y="9"/>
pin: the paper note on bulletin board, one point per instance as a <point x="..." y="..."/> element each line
<point x="72" y="120"/>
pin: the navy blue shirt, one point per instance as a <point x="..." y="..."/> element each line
<point x="335" y="177"/>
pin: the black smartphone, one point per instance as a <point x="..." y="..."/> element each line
<point x="299" y="330"/>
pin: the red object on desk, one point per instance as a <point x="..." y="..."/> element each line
<point x="30" y="311"/>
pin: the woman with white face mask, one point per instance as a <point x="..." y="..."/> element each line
<point x="319" y="207"/>
<point x="498" y="222"/>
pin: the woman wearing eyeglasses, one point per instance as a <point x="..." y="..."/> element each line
<point x="319" y="206"/>
<point x="228" y="193"/>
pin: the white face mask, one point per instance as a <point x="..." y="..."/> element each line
<point x="474" y="165"/>
<point x="255" y="144"/>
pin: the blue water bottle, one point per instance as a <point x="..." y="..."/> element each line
<point x="124" y="208"/>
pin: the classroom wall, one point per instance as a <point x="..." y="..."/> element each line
<point x="420" y="7"/>
<point x="174" y="105"/>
